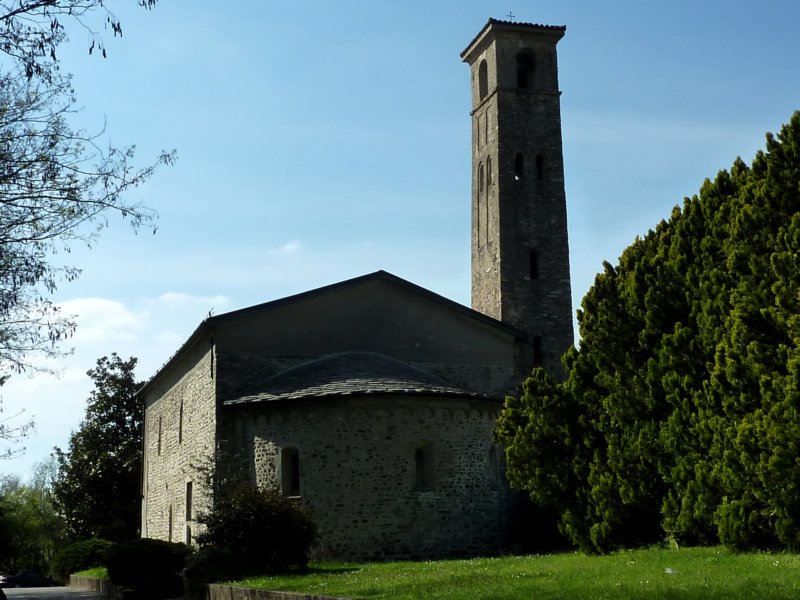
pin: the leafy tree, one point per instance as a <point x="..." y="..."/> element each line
<point x="13" y="433"/>
<point x="97" y="486"/>
<point x="80" y="556"/>
<point x="58" y="186"/>
<point x="32" y="30"/>
<point x="680" y="415"/>
<point x="31" y="530"/>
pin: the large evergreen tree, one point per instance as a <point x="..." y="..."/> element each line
<point x="97" y="486"/>
<point x="679" y="413"/>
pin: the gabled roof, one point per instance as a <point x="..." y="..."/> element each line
<point x="210" y="322"/>
<point x="351" y="374"/>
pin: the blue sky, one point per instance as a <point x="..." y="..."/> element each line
<point x="322" y="140"/>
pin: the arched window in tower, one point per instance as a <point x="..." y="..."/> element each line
<point x="481" y="180"/>
<point x="525" y="69"/>
<point x="488" y="174"/>
<point x="539" y="167"/>
<point x="483" y="80"/>
<point x="519" y="166"/>
<point x="534" y="264"/>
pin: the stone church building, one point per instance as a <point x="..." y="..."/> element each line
<point x="372" y="401"/>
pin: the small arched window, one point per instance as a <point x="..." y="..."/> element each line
<point x="519" y="166"/>
<point x="526" y="63"/>
<point x="481" y="179"/>
<point x="483" y="80"/>
<point x="423" y="466"/>
<point x="539" y="167"/>
<point x="537" y="350"/>
<point x="493" y="467"/>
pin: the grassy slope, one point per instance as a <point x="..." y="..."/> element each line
<point x="701" y="573"/>
<point x="97" y="572"/>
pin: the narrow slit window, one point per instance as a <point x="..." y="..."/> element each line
<point x="539" y="167"/>
<point x="290" y="471"/>
<point x="180" y="424"/>
<point x="481" y="179"/>
<point x="159" y="436"/>
<point x="488" y="173"/>
<point x="189" y="500"/>
<point x="169" y="524"/>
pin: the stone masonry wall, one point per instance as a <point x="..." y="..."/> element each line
<point x="358" y="472"/>
<point x="177" y="441"/>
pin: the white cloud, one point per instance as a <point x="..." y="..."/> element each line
<point x="149" y="328"/>
<point x="288" y="249"/>
<point x="101" y="320"/>
<point x="178" y="299"/>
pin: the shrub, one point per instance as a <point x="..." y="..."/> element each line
<point x="151" y="567"/>
<point x="81" y="556"/>
<point x="255" y="532"/>
<point x="211" y="563"/>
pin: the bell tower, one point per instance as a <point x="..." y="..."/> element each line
<point x="520" y="251"/>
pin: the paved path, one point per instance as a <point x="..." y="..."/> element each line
<point x="50" y="593"/>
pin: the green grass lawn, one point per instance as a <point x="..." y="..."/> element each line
<point x="701" y="573"/>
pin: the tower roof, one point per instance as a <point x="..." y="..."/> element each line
<point x="499" y="25"/>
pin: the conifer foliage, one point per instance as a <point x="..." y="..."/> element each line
<point x="679" y="414"/>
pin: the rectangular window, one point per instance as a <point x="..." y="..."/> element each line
<point x="290" y="471"/>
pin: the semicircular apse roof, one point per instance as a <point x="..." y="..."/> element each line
<point x="351" y="374"/>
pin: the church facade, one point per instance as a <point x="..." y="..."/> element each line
<point x="373" y="401"/>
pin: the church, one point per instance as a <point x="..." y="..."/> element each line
<point x="372" y="401"/>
